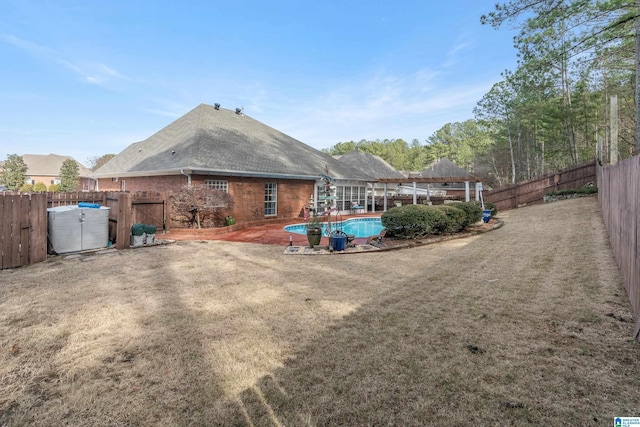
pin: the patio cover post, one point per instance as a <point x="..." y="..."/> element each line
<point x="384" y="206"/>
<point x="466" y="191"/>
<point x="373" y="198"/>
<point x="478" y="184"/>
<point x="415" y="197"/>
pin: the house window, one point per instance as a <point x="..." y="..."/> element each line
<point x="340" y="195"/>
<point x="349" y="192"/>
<point x="217" y="184"/>
<point x="348" y="195"/>
<point x="362" y="196"/>
<point x="270" y="198"/>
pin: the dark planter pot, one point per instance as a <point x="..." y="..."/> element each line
<point x="314" y="235"/>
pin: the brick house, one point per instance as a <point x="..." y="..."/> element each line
<point x="269" y="174"/>
<point x="46" y="169"/>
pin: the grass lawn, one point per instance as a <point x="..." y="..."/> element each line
<point x="526" y="325"/>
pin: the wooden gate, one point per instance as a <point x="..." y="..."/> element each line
<point x="149" y="207"/>
<point x="23" y="231"/>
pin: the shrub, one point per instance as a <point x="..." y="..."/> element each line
<point x="40" y="187"/>
<point x="413" y="221"/>
<point x="199" y="206"/>
<point x="456" y="218"/>
<point x="137" y="229"/>
<point x="587" y="189"/>
<point x="54" y="188"/>
<point x="149" y="229"/>
<point x="494" y="210"/>
<point x="471" y="209"/>
<point x="488" y="205"/>
<point x="26" y="188"/>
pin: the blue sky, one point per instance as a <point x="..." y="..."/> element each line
<point x="86" y="78"/>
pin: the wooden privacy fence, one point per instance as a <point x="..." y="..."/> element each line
<point x="23" y="227"/>
<point x="119" y="212"/>
<point x="619" y="193"/>
<point x="532" y="191"/>
<point x="147" y="207"/>
<point x="73" y="198"/>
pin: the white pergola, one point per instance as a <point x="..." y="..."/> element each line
<point x="452" y="179"/>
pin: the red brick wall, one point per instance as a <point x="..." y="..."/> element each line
<point x="144" y="183"/>
<point x="84" y="184"/>
<point x="247" y="193"/>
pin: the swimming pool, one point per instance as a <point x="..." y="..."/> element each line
<point x="359" y="227"/>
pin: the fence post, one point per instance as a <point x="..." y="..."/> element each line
<point x="38" y="228"/>
<point x="123" y="226"/>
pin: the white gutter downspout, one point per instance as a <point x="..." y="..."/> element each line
<point x="188" y="175"/>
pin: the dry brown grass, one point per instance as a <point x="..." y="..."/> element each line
<point x="526" y="325"/>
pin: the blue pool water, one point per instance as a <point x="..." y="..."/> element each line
<point x="359" y="227"/>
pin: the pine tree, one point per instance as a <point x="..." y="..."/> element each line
<point x="69" y="175"/>
<point x="14" y="173"/>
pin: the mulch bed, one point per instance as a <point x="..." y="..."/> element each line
<point x="390" y="243"/>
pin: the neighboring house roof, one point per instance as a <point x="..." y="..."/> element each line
<point x="50" y="164"/>
<point x="217" y="141"/>
<point x="370" y="164"/>
<point x="440" y="169"/>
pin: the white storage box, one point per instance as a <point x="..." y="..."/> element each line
<point x="74" y="229"/>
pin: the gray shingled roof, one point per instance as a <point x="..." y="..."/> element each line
<point x="50" y="164"/>
<point x="214" y="141"/>
<point x="441" y="168"/>
<point x="370" y="164"/>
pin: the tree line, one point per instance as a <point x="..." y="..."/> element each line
<point x="576" y="62"/>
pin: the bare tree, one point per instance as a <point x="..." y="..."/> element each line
<point x="95" y="162"/>
<point x="200" y="207"/>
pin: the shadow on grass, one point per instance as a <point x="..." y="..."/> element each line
<point x="486" y="338"/>
<point x="397" y="360"/>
